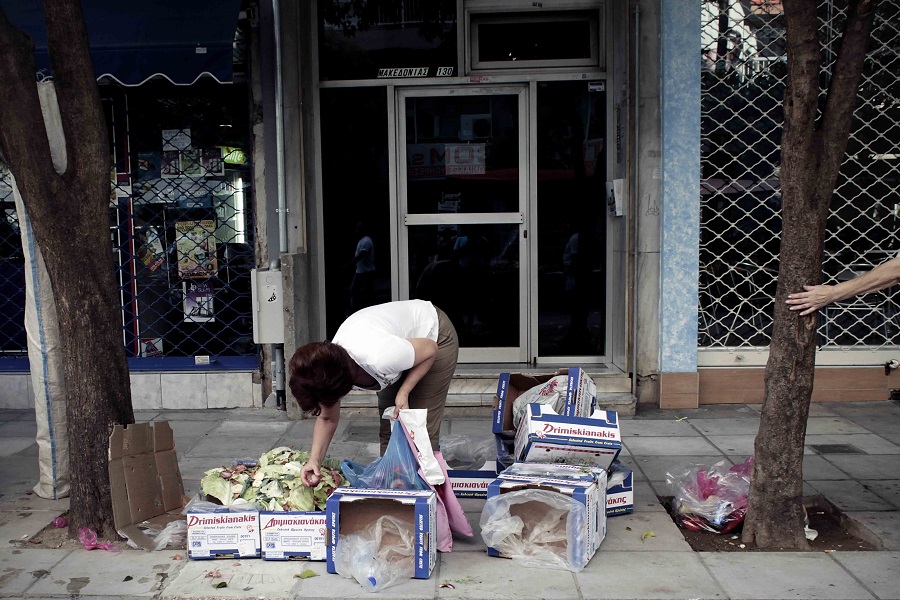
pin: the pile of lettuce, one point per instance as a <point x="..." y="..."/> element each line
<point x="274" y="482"/>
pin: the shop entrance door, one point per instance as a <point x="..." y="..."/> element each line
<point x="462" y="183"/>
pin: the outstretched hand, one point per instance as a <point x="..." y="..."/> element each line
<point x="812" y="299"/>
<point x="309" y="474"/>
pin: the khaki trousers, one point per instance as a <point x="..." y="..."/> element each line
<point x="431" y="391"/>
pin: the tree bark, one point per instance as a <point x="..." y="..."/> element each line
<point x="811" y="154"/>
<point x="69" y="213"/>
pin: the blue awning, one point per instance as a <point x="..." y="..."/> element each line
<point x="132" y="42"/>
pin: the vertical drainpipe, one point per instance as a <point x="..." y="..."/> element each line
<point x="636" y="201"/>
<point x="275" y="263"/>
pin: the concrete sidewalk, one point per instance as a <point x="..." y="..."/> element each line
<point x="852" y="460"/>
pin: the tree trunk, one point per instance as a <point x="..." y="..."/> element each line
<point x="811" y="154"/>
<point x="69" y="213"/>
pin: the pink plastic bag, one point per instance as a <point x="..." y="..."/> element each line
<point x="450" y="516"/>
<point x="88" y="539"/>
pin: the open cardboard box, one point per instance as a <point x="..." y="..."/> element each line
<point x="546" y="437"/>
<point x="581" y="393"/>
<point x="590" y="492"/>
<point x="350" y="510"/>
<point x="145" y="482"/>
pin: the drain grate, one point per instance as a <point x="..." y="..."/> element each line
<point x="836" y="449"/>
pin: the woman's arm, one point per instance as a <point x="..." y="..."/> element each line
<point x="323" y="432"/>
<point x="425" y="351"/>
<point x="816" y="296"/>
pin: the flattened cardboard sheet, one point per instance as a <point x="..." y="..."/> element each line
<point x="145" y="481"/>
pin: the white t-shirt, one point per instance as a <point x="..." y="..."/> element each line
<point x="377" y="337"/>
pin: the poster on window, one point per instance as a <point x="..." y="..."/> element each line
<point x="190" y="162"/>
<point x="169" y="166"/>
<point x="198" y="302"/>
<point x="176" y="139"/>
<point x="212" y="162"/>
<point x="151" y="347"/>
<point x="195" y="242"/>
<point x="150" y="252"/>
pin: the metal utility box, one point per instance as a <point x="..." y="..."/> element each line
<point x="268" y="306"/>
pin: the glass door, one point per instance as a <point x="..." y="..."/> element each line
<point x="462" y="187"/>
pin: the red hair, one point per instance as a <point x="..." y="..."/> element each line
<point x="321" y="374"/>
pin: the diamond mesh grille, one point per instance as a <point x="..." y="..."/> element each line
<point x="743" y="80"/>
<point x="180" y="224"/>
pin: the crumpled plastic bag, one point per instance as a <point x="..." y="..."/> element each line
<point x="711" y="498"/>
<point x="466" y="453"/>
<point x="174" y="534"/>
<point x="88" y="539"/>
<point x="537" y="528"/>
<point x="552" y="392"/>
<point x="378" y="556"/>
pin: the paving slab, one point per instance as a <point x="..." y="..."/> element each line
<point x="663" y="446"/>
<point x="808" y="575"/>
<point x="24" y="429"/>
<point x="17" y="526"/>
<point x="656" y="467"/>
<point x="735" y="445"/>
<point x="200" y="414"/>
<point x="248" y="578"/>
<point x="862" y="466"/>
<point x="28" y="500"/>
<point x="748" y="425"/>
<point x="478" y="576"/>
<point x="709" y="411"/>
<point x="629" y="461"/>
<point x="21" y="569"/>
<point x="145" y="415"/>
<point x="889" y="489"/>
<point x="866" y="409"/>
<point x="669" y="427"/>
<point x="666" y="575"/>
<point x="624" y="532"/>
<point x="878" y="571"/>
<point x="227" y="448"/>
<point x="850" y="495"/>
<point x="818" y="468"/>
<point x="14" y="445"/>
<point x="475" y="427"/>
<point x="271" y="430"/>
<point x="645" y="498"/>
<point x="883" y="525"/>
<point x="101" y="573"/>
<point x="832" y="425"/>
<point x="869" y="443"/>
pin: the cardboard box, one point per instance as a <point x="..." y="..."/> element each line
<point x="350" y="510"/>
<point x="222" y="533"/>
<point x="293" y="535"/>
<point x="473" y="483"/>
<point x="620" y="496"/>
<point x="581" y="393"/>
<point x="583" y="473"/>
<point x="145" y="482"/>
<point x="546" y="437"/>
<point x="590" y="493"/>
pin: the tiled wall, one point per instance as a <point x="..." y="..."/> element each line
<point x="151" y="391"/>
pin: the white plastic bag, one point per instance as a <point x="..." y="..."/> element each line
<point x="537" y="528"/>
<point x="415" y="422"/>
<point x="466" y="453"/>
<point x="378" y="556"/>
<point x="551" y="392"/>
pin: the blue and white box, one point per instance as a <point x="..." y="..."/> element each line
<point x="222" y="533"/>
<point x="581" y="394"/>
<point x="546" y="437"/>
<point x="591" y="493"/>
<point x="350" y="510"/>
<point x="294" y="535"/>
<point x="473" y="483"/>
<point x="619" y="490"/>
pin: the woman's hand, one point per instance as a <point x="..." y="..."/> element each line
<point x="401" y="402"/>
<point x="309" y="474"/>
<point x="811" y="300"/>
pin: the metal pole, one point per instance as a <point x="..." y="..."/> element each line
<point x="278" y="349"/>
<point x="636" y="198"/>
